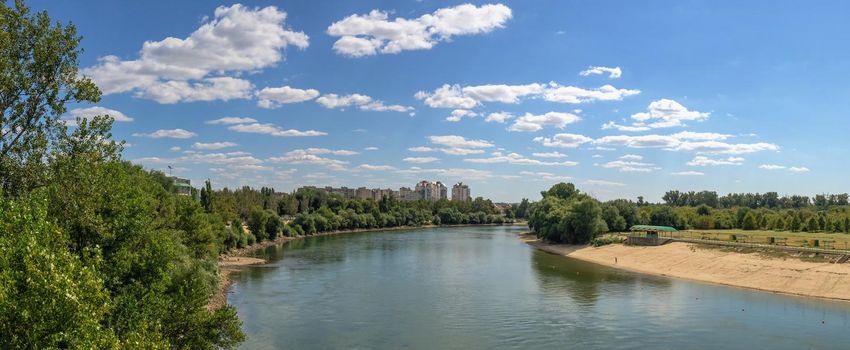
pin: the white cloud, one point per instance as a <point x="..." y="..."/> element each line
<point x="604" y="183"/>
<point x="627" y="128"/>
<point x="630" y="166"/>
<point x="498" y="117"/>
<point x="447" y="96"/>
<point x="451" y="173"/>
<point x="553" y="154"/>
<point x="563" y="140"/>
<point x="208" y="89"/>
<point x="613" y="73"/>
<point x="684" y="141"/>
<point x="373" y="33"/>
<point x="172" y="133"/>
<point x="575" y="95"/>
<point x="175" y="149"/>
<point x="231" y="120"/>
<point x="338" y="152"/>
<point x="502" y="93"/>
<point x="237" y="39"/>
<point x="371" y="148"/>
<point x="514" y="158"/>
<point x="274" y="97"/>
<point x="229" y="159"/>
<point x="90" y="112"/>
<point x="632" y="157"/>
<point x="273" y="130"/>
<point x="370" y="167"/>
<point x="460" y="151"/>
<point x="793" y="169"/>
<point x="455" y="96"/>
<point x="459" y="114"/>
<point x="705" y="161"/>
<point x="543" y="176"/>
<point x="688" y="173"/>
<point x="301" y="156"/>
<point x="455" y="141"/>
<point x="212" y="145"/>
<point x="421" y="149"/>
<point x="530" y="122"/>
<point x="363" y="102"/>
<point x="421" y="160"/>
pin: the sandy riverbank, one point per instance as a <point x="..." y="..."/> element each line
<point x="683" y="260"/>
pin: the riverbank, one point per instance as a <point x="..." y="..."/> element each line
<point x="785" y="275"/>
<point x="240" y="258"/>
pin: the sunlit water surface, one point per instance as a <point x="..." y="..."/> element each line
<point x="481" y="288"/>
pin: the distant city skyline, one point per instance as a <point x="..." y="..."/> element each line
<point x="623" y="99"/>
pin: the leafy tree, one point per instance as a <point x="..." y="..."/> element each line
<point x="749" y="222"/>
<point x="206" y="196"/>
<point x="38" y="76"/>
<point x="812" y="225"/>
<point x="564" y="215"/>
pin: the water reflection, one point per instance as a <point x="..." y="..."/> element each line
<point x="480" y="288"/>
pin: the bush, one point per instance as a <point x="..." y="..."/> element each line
<point x="606" y="240"/>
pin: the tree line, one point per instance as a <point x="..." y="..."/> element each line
<point x="267" y="214"/>
<point x="564" y="214"/>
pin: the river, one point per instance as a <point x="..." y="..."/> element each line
<point x="481" y="288"/>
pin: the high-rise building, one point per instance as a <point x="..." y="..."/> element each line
<point x="443" y="190"/>
<point x="460" y="192"/>
<point x="363" y="193"/>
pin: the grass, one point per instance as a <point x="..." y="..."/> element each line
<point x="792" y="239"/>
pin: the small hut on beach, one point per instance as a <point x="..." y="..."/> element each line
<point x="650" y="235"/>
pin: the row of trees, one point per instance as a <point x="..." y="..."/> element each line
<point x="566" y="215"/>
<point x="268" y="214"/>
<point x="769" y="200"/>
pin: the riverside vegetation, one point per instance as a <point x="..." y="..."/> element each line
<point x="96" y="252"/>
<point x="565" y="215"/>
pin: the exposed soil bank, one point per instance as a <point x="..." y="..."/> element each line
<point x="689" y="261"/>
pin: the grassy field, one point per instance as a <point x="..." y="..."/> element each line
<point x="793" y="239"/>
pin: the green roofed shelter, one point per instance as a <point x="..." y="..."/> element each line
<point x="650" y="228"/>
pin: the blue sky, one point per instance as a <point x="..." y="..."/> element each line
<point x="622" y="98"/>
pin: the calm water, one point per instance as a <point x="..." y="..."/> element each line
<point x="480" y="288"/>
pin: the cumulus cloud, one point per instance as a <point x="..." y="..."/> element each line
<point x="632" y="157"/>
<point x="213" y="145"/>
<point x="170" y="133"/>
<point x="273" y="130"/>
<point x="798" y="169"/>
<point x="421" y="160"/>
<point x="553" y="154"/>
<point x="530" y="122"/>
<point x="237" y="39"/>
<point x="707" y="143"/>
<point x="459" y="114"/>
<point x="563" y="140"/>
<point x="515" y="158"/>
<point x="613" y="73"/>
<point x="229" y="159"/>
<point x="630" y="166"/>
<point x="274" y="97"/>
<point x="301" y="156"/>
<point x="421" y="149"/>
<point x="231" y="120"/>
<point x="363" y="102"/>
<point x="375" y="32"/>
<point x="455" y="141"/>
<point x="468" y="97"/>
<point x="663" y="113"/>
<point x="498" y="117"/>
<point x="451" y="173"/>
<point x="705" y="161"/>
<point x="336" y="152"/>
<point x="91" y="112"/>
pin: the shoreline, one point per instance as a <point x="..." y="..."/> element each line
<point x="240" y="258"/>
<point x="782" y="275"/>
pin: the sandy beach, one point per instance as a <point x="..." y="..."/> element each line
<point x="688" y="261"/>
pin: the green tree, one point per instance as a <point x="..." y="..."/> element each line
<point x="38" y="76"/>
<point x="749" y="222"/>
<point x="812" y="225"/>
<point x="206" y="196"/>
